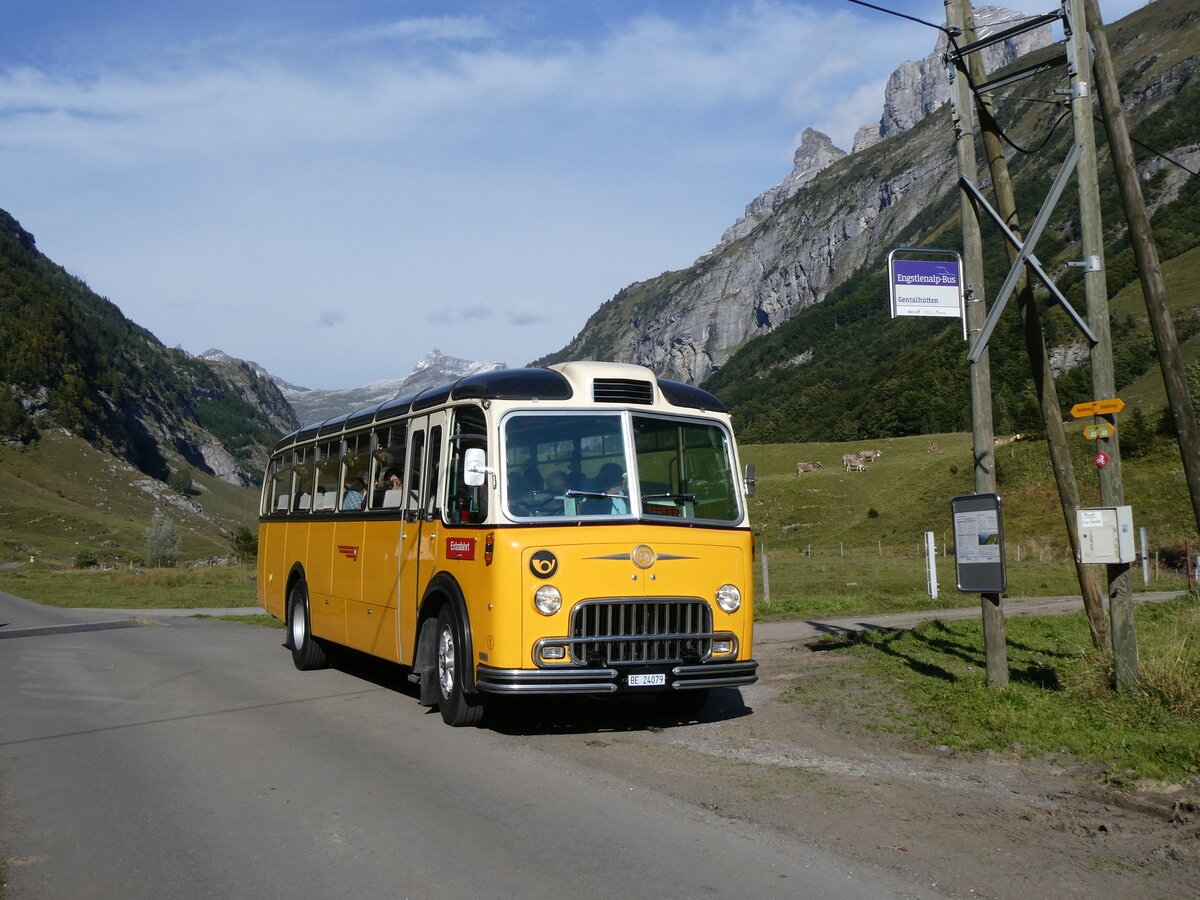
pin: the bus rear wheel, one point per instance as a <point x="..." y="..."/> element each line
<point x="457" y="707"/>
<point x="307" y="651"/>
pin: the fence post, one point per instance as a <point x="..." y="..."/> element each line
<point x="1145" y="557"/>
<point x="931" y="556"/>
<point x="766" y="578"/>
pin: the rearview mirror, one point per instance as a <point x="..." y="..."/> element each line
<point x="749" y="480"/>
<point x="475" y="468"/>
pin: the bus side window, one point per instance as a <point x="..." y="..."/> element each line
<point x="387" y="466"/>
<point x="464" y="503"/>
<point x="328" y="463"/>
<point x="356" y="462"/>
<point x="302" y="474"/>
<point x="416" y="461"/>
<point x="275" y="498"/>
<point x="435" y="468"/>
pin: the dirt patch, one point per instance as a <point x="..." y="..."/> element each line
<point x="822" y="771"/>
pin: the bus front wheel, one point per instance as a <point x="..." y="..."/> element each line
<point x="307" y="652"/>
<point x="456" y="706"/>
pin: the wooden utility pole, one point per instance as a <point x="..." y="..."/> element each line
<point x="982" y="433"/>
<point x="1039" y="359"/>
<point x="1145" y="252"/>
<point x="1104" y="387"/>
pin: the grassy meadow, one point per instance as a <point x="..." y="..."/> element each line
<point x="929" y="684"/>
<point x="843" y="543"/>
<point x="834" y="542"/>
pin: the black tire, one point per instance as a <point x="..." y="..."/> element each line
<point x="682" y="703"/>
<point x="457" y="707"/>
<point x="308" y="652"/>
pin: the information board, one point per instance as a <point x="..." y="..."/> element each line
<point x="979" y="543"/>
<point x="924" y="282"/>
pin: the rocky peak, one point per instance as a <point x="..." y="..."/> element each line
<point x="917" y="89"/>
<point x="815" y="153"/>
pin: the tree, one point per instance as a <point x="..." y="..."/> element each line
<point x="162" y="541"/>
<point x="244" y="543"/>
<point x="180" y="481"/>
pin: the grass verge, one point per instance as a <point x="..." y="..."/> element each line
<point x="182" y="588"/>
<point x="1060" y="698"/>
<point x="264" y="621"/>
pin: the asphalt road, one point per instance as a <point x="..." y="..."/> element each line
<point x="179" y="757"/>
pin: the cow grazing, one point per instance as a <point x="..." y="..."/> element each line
<point x="934" y="448"/>
<point x="852" y="462"/>
<point x="801" y="468"/>
<point x="870" y="454"/>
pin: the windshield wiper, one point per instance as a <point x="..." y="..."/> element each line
<point x="669" y="495"/>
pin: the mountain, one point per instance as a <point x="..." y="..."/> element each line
<point x="70" y="360"/>
<point x="310" y="406"/>
<point x="830" y="224"/>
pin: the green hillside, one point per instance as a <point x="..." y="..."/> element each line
<point x="70" y="359"/>
<point x="60" y="495"/>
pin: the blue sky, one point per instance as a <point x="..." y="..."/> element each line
<point x="335" y="187"/>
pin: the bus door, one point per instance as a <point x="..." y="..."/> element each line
<point x="421" y="523"/>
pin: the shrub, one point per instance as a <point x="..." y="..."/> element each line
<point x="85" y="559"/>
<point x="162" y="541"/>
<point x="244" y="543"/>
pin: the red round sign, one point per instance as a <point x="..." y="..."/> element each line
<point x="1101" y="460"/>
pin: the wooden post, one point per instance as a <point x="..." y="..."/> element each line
<point x="982" y="436"/>
<point x="1112" y="491"/>
<point x="1145" y="252"/>
<point x="1039" y="361"/>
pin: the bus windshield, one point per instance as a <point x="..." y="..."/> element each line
<point x="585" y="464"/>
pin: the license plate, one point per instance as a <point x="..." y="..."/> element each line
<point x="649" y="680"/>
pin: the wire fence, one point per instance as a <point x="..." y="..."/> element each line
<point x="1033" y="568"/>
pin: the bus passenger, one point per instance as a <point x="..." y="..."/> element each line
<point x="355" y="494"/>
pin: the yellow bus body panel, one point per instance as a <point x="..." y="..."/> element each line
<point x="596" y="562"/>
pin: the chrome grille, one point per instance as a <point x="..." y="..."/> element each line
<point x="622" y="390"/>
<point x="626" y="631"/>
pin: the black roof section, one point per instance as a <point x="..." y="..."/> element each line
<point x="681" y="394"/>
<point x="514" y="384"/>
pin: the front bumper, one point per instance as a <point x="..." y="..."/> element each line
<point x="613" y="679"/>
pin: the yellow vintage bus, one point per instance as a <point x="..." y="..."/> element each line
<point x="574" y="529"/>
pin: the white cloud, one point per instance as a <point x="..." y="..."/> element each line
<point x="386" y="176"/>
<point x="428" y="28"/>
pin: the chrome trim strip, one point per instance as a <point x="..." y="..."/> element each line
<point x="740" y="666"/>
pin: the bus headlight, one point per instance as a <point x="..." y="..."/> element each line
<point x="547" y="599"/>
<point x="729" y="598"/>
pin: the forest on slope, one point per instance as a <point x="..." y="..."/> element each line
<point x="70" y="359"/>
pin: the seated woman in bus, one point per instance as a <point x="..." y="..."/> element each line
<point x="556" y="489"/>
<point x="527" y="492"/>
<point x="609" y="481"/>
<point x="356" y="494"/>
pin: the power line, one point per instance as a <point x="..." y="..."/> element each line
<point x="951" y="34"/>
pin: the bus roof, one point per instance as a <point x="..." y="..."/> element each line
<point x="599" y="382"/>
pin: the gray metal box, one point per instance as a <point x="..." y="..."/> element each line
<point x="1106" y="534"/>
